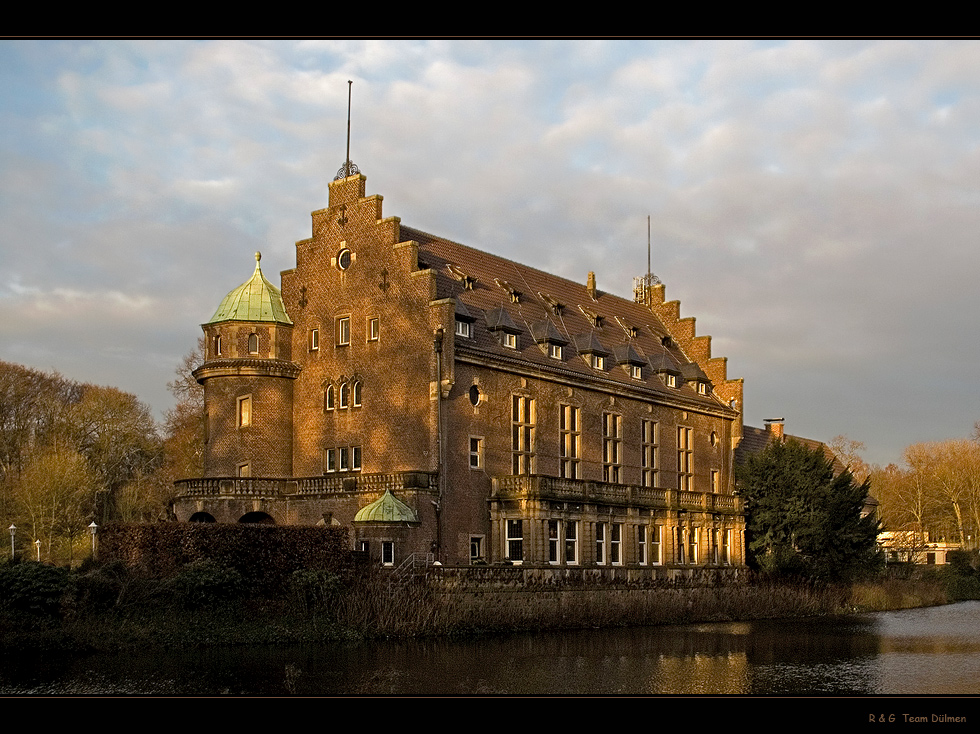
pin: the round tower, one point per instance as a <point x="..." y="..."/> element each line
<point x="248" y="376"/>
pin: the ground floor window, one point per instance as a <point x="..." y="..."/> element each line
<point x="388" y="552"/>
<point x="476" y="548"/>
<point x="655" y="544"/>
<point x="615" y="539"/>
<point x="515" y="541"/>
<point x="571" y="542"/>
<point x="600" y="543"/>
<point x="641" y="544"/>
<point x="692" y="545"/>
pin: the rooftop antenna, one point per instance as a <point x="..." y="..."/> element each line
<point x="348" y="169"/>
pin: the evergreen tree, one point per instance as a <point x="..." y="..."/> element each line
<point x="803" y="520"/>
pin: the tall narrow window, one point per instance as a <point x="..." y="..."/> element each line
<point x="679" y="545"/>
<point x="655" y="544"/>
<point x="692" y="545"/>
<point x="314" y="340"/>
<point x="726" y="544"/>
<point x="715" y="481"/>
<point x="571" y="542"/>
<point x="571" y="438"/>
<point x="356" y="394"/>
<point x="714" y="546"/>
<point x="330" y="460"/>
<point x="685" y="458"/>
<point x="343" y="331"/>
<point x="374" y="329"/>
<point x="253" y="343"/>
<point x="641" y="544"/>
<point x="329" y="398"/>
<point x="600" y="543"/>
<point x="615" y="540"/>
<point x="649" y="448"/>
<point x="554" y="540"/>
<point x="612" y="435"/>
<point x="344" y="395"/>
<point x="388" y="552"/>
<point x="245" y="411"/>
<point x="355" y="458"/>
<point x="476" y="452"/>
<point x="515" y="541"/>
<point x="217" y="346"/>
<point x="522" y="434"/>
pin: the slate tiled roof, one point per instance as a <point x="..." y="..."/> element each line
<point x="487" y="284"/>
<point x="755" y="440"/>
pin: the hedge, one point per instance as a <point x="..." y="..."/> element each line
<point x="264" y="555"/>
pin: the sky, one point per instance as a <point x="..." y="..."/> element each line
<point x="814" y="204"/>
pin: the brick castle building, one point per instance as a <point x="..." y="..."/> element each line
<point x="438" y="399"/>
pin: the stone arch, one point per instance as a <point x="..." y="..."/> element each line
<point x="202" y="517"/>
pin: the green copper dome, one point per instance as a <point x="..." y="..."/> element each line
<point x="254" y="300"/>
<point x="387" y="508"/>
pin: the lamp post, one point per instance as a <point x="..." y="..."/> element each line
<point x="13" y="532"/>
<point x="92" y="528"/>
<point x="37" y="546"/>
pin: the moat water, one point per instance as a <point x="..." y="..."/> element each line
<point x="933" y="651"/>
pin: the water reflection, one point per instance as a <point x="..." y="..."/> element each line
<point x="926" y="651"/>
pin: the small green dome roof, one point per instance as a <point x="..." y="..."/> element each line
<point x="254" y="300"/>
<point x="387" y="508"/>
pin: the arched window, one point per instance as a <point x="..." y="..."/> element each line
<point x="356" y="396"/>
<point x="344" y="395"/>
<point x="253" y="343"/>
<point x="328" y="398"/>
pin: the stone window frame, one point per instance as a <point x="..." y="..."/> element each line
<point x="570" y="441"/>
<point x="514" y="540"/>
<point x="342" y="331"/>
<point x="685" y="458"/>
<point x="314" y="340"/>
<point x="612" y="447"/>
<point x="244" y="413"/>
<point x="649" y="452"/>
<point x="374" y="329"/>
<point x="476" y="446"/>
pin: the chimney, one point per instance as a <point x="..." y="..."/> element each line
<point x="775" y="427"/>
<point x="590" y="285"/>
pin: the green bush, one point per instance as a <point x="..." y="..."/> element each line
<point x="203" y="584"/>
<point x="315" y="591"/>
<point x="35" y="589"/>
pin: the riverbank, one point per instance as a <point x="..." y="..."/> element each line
<point x="112" y="609"/>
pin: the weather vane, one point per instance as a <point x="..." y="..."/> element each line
<point x="348" y="169"/>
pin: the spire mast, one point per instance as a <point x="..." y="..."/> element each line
<point x="348" y="169"/>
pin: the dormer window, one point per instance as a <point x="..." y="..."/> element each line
<point x="636" y="372"/>
<point x="598" y="361"/>
<point x="670" y="380"/>
<point x="461" y="275"/>
<point x="515" y="295"/>
<point x="554" y="351"/>
<point x="464" y="329"/>
<point x="510" y="340"/>
<point x="702" y="388"/>
<point x="594" y="318"/>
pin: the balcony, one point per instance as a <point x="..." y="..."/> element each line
<point x="351" y="482"/>
<point x="582" y="491"/>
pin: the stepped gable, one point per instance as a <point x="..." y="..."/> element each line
<point x="486" y="283"/>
